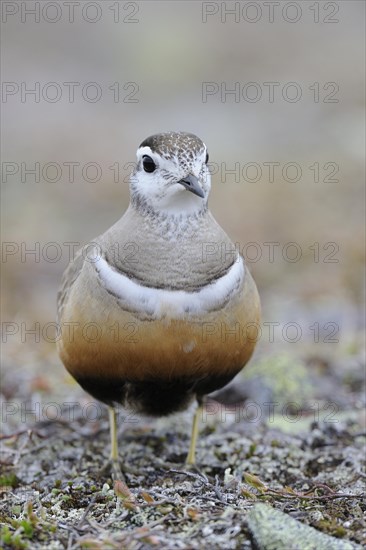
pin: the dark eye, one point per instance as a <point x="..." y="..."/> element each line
<point x="148" y="164"/>
<point x="207" y="157"/>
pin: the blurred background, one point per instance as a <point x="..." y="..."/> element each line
<point x="277" y="96"/>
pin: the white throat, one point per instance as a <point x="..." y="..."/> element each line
<point x="179" y="202"/>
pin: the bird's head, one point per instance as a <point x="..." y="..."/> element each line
<point x="171" y="175"/>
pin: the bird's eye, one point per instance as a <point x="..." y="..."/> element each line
<point x="207" y="157"/>
<point x="148" y="164"/>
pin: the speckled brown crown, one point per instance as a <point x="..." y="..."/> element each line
<point x="169" y="144"/>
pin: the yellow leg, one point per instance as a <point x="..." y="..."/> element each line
<point x="113" y="466"/>
<point x="113" y="432"/>
<point x="113" y="463"/>
<point x="191" y="457"/>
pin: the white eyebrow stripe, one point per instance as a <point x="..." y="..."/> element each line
<point x="158" y="302"/>
<point x="141" y="151"/>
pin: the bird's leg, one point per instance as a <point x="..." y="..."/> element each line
<point x="113" y="465"/>
<point x="191" y="457"/>
<point x="113" y="432"/>
<point x="113" y="462"/>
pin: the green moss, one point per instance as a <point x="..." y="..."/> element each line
<point x="11" y="539"/>
<point x="331" y="527"/>
<point x="27" y="527"/>
<point x="9" y="480"/>
<point x="14" y="539"/>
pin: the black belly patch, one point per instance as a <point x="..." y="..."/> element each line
<point x="155" y="397"/>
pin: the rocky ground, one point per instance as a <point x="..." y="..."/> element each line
<point x="289" y="434"/>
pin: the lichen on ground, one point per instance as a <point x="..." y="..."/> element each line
<point x="307" y="461"/>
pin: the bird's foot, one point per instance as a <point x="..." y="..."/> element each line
<point x="113" y="467"/>
<point x="192" y="467"/>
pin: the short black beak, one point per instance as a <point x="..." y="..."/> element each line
<point x="191" y="183"/>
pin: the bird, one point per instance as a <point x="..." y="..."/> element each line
<point x="162" y="306"/>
